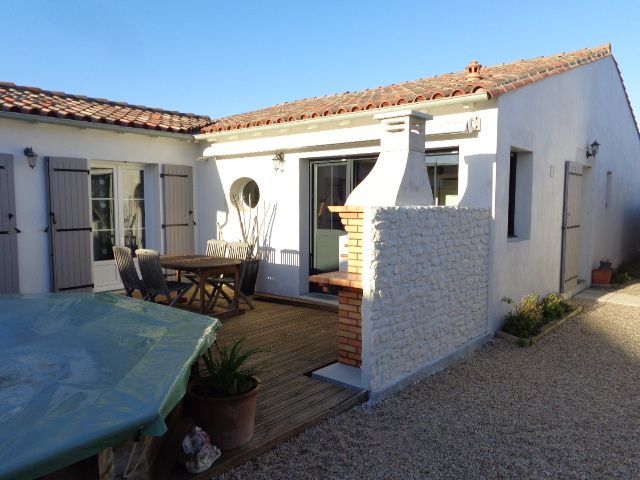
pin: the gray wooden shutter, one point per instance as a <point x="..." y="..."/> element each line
<point x="9" y="279"/>
<point x="70" y="224"/>
<point x="571" y="226"/>
<point x="178" y="209"/>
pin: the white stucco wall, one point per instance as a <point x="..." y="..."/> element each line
<point x="425" y="289"/>
<point x="555" y="119"/>
<point x="94" y="145"/>
<point x="249" y="154"/>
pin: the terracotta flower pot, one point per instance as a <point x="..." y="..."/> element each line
<point x="601" y="276"/>
<point x="229" y="421"/>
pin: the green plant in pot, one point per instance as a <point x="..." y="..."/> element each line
<point x="223" y="397"/>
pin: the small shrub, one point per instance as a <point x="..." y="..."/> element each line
<point x="533" y="312"/>
<point x="525" y="318"/>
<point x="620" y="277"/>
<point x="226" y="373"/>
<point x="555" y="306"/>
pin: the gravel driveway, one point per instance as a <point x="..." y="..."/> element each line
<point x="568" y="407"/>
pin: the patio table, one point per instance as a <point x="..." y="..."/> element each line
<point x="203" y="267"/>
<point x="80" y="373"/>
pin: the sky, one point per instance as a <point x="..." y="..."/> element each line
<point x="218" y="58"/>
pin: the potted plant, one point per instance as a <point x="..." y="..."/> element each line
<point x="254" y="221"/>
<point x="603" y="274"/>
<point x="223" y="397"/>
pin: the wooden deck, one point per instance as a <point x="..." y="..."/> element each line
<point x="297" y="341"/>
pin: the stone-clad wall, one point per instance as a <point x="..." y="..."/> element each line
<point x="425" y="282"/>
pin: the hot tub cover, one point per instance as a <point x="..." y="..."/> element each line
<point x="83" y="372"/>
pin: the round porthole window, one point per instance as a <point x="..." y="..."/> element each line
<point x="245" y="193"/>
<point x="250" y="194"/>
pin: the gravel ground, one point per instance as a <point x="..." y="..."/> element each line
<point x="631" y="288"/>
<point x="567" y="407"/>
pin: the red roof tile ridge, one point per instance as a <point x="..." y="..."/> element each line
<point x="494" y="81"/>
<point x="104" y="101"/>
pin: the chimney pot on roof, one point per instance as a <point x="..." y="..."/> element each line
<point x="473" y="70"/>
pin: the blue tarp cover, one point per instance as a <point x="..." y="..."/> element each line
<point x="81" y="372"/>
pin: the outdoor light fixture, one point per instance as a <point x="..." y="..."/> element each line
<point x="278" y="162"/>
<point x="592" y="150"/>
<point x="32" y="158"/>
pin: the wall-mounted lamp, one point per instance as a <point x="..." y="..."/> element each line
<point x="278" y="162"/>
<point x="592" y="150"/>
<point x="32" y="158"/>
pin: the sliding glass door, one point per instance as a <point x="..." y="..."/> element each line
<point x="331" y="183"/>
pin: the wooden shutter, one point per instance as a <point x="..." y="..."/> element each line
<point x="178" y="209"/>
<point x="9" y="280"/>
<point x="571" y="226"/>
<point x="70" y="224"/>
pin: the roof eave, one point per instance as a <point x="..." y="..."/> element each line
<point x="31" y="118"/>
<point x="427" y="104"/>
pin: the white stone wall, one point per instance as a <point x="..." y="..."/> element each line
<point x="425" y="293"/>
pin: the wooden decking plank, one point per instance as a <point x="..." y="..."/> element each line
<point x="302" y="402"/>
<point x="298" y="340"/>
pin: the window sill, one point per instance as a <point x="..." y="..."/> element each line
<point x="516" y="240"/>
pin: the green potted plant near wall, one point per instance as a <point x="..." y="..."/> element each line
<point x="603" y="274"/>
<point x="223" y="397"/>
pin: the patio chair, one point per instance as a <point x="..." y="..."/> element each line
<point x="154" y="280"/>
<point x="238" y="251"/>
<point x="128" y="272"/>
<point x="215" y="248"/>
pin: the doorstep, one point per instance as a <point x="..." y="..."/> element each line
<point x="340" y="374"/>
<point x="608" y="296"/>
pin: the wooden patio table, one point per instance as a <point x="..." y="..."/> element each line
<point x="203" y="267"/>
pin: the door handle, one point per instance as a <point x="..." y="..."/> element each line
<point x="53" y="217"/>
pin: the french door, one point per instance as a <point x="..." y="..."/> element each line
<point x="118" y="217"/>
<point x="331" y="183"/>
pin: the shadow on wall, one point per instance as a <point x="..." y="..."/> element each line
<point x="290" y="258"/>
<point x="631" y="233"/>
<point x="211" y="201"/>
<point x="279" y="278"/>
<point x="479" y="181"/>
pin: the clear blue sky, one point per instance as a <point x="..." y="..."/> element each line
<point x="223" y="57"/>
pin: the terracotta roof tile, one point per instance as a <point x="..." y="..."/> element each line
<point x="35" y="101"/>
<point x="495" y="81"/>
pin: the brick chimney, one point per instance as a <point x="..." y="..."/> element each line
<point x="473" y="71"/>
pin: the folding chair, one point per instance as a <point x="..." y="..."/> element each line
<point x="154" y="280"/>
<point x="238" y="251"/>
<point x="128" y="272"/>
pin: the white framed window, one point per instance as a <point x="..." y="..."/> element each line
<point x="245" y="192"/>
<point x="117" y="208"/>
<point x="442" y="168"/>
<point x="520" y="187"/>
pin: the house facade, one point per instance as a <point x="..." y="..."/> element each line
<point x="511" y="139"/>
<point x="98" y="180"/>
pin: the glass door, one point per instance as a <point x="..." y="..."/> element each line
<point x="330" y="188"/>
<point x="102" y="213"/>
<point x="118" y="218"/>
<point x="331" y="183"/>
